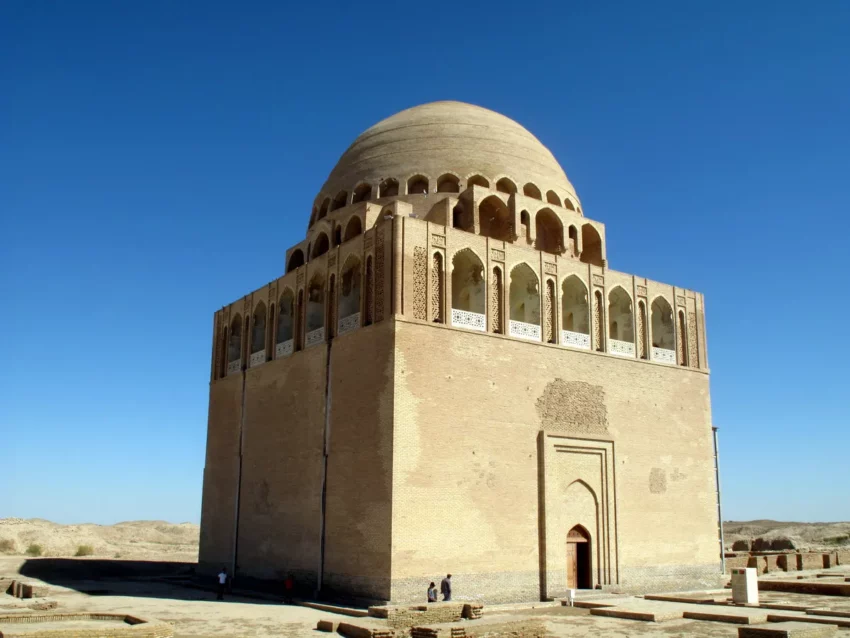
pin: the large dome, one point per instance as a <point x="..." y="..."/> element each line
<point x="448" y="137"/>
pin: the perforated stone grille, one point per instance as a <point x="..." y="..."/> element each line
<point x="575" y="339"/>
<point x="284" y="348"/>
<point x="470" y="320"/>
<point x="315" y="336"/>
<point x="524" y="330"/>
<point x="621" y="348"/>
<point x="349" y="323"/>
<point x="663" y="355"/>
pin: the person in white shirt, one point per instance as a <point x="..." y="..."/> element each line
<point x="222" y="582"/>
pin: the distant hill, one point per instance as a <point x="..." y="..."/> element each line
<point x="809" y="536"/>
<point x="140" y="540"/>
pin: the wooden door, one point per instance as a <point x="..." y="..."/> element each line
<point x="572" y="566"/>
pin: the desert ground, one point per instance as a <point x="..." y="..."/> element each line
<point x="145" y="568"/>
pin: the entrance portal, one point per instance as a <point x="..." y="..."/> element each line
<point x="578" y="559"/>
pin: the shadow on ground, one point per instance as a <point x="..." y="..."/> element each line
<point x="136" y="578"/>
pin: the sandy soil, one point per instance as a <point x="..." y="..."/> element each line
<point x="137" y="540"/>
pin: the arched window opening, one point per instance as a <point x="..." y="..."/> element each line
<point x="362" y="193"/>
<point x="621" y="338"/>
<point x="530" y="190"/>
<point x="552" y="198"/>
<point x="437" y="288"/>
<point x="549" y="312"/>
<point x="478" y="180"/>
<point x="524" y="299"/>
<point x="354" y="228"/>
<point x="568" y="204"/>
<point x="573" y="241"/>
<point x="525" y="222"/>
<point x="468" y="291"/>
<point x="683" y="340"/>
<point x="349" y="300"/>
<point x="337" y="235"/>
<point x="285" y="325"/>
<point x="340" y="200"/>
<point x="388" y="188"/>
<point x="258" y="336"/>
<point x="462" y="218"/>
<point x="549" y="231"/>
<point x="296" y="260"/>
<point x="575" y="313"/>
<point x="321" y="246"/>
<point x="323" y="209"/>
<point x="591" y="245"/>
<point x="448" y="183"/>
<point x="315" y="332"/>
<point x="505" y="185"/>
<point x="494" y="219"/>
<point x="417" y="185"/>
<point x="496" y="297"/>
<point x="313" y="215"/>
<point x="663" y="331"/>
<point x="234" y="347"/>
<point x="370" y="292"/>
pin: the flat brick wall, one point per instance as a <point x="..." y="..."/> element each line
<point x="134" y="627"/>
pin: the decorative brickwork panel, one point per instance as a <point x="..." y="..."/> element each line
<point x="379" y="274"/>
<point x="438" y="240"/>
<point x="597" y="321"/>
<point x="437" y="285"/>
<point x="641" y="330"/>
<point x="680" y="342"/>
<point x="370" y="292"/>
<point x="420" y="280"/>
<point x="550" y="268"/>
<point x="549" y="312"/>
<point x="497" y="255"/>
<point x="641" y="291"/>
<point x="693" y="354"/>
<point x="496" y="301"/>
<point x="598" y="280"/>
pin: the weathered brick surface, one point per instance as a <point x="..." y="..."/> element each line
<point x="132" y="627"/>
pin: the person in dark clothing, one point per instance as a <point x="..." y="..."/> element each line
<point x="288" y="588"/>
<point x="432" y="593"/>
<point x="222" y="582"/>
<point x="446" y="587"/>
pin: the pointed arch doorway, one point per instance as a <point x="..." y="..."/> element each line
<point x="579" y="575"/>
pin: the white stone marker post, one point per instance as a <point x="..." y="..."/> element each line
<point x="745" y="586"/>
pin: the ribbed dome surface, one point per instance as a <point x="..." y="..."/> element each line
<point x="443" y="137"/>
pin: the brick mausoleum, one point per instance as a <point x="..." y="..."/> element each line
<point x="450" y="378"/>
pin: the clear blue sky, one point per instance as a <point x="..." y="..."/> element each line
<point x="157" y="158"/>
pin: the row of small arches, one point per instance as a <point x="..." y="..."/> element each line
<point x="525" y="305"/>
<point x="282" y="323"/>
<point x="421" y="184"/>
<point x="324" y="242"/>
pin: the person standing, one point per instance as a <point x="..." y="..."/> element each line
<point x="288" y="588"/>
<point x="222" y="582"/>
<point x="432" y="593"/>
<point x="446" y="588"/>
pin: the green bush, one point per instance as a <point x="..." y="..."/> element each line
<point x="84" y="550"/>
<point x="7" y="546"/>
<point x="35" y="550"/>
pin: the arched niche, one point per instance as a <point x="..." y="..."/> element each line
<point x="478" y="180"/>
<point x="353" y="228"/>
<point x="575" y="313"/>
<point x="362" y="193"/>
<point x="620" y="320"/>
<point x="591" y="245"/>
<point x="468" y="291"/>
<point x="321" y="246"/>
<point x="296" y="260"/>
<point x="663" y="328"/>
<point x="505" y="185"/>
<point x="417" y="185"/>
<point x="531" y="190"/>
<point x="349" y="298"/>
<point x="525" y="295"/>
<point x="549" y="232"/>
<point x="388" y="188"/>
<point x="494" y="219"/>
<point x="316" y="303"/>
<point x="339" y="200"/>
<point x="448" y="183"/>
<point x="552" y="198"/>
<point x="258" y="329"/>
<point x="234" y="346"/>
<point x="285" y="317"/>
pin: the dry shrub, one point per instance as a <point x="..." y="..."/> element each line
<point x="84" y="550"/>
<point x="7" y="546"/>
<point x="35" y="550"/>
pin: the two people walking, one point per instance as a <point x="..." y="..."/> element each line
<point x="445" y="590"/>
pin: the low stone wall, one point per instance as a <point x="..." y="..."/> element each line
<point x="134" y="627"/>
<point x="431" y="613"/>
